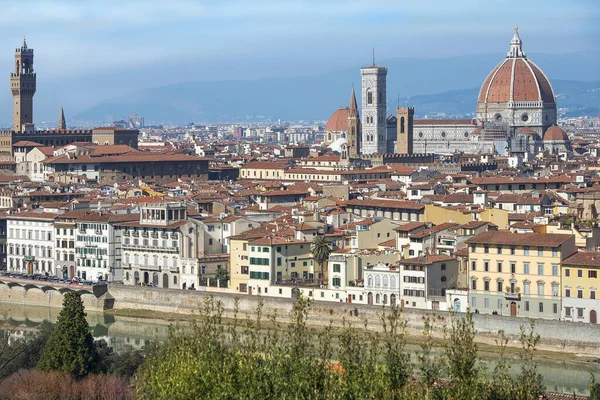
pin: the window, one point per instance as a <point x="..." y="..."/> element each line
<point x="540" y="288"/>
<point x="526" y="287"/>
<point x="500" y="286"/>
<point x="369" y="97"/>
<point x="337" y="281"/>
<point x="580" y="273"/>
<point x="540" y="269"/>
<point x="486" y="249"/>
<point x="580" y="293"/>
<point x="473" y="247"/>
<point x="473" y="301"/>
<point x="486" y="303"/>
<point x="279" y="249"/>
<point x="579" y="312"/>
<point x="541" y="306"/>
<point x="210" y="242"/>
<point x="486" y="285"/>
<point x="526" y="268"/>
<point x="512" y="250"/>
<point x="555" y="252"/>
<point x="486" y="266"/>
<point x="526" y="306"/>
<point x="592" y="274"/>
<point x="526" y="250"/>
<point x="567" y="272"/>
<point x="473" y="265"/>
<point x="443" y="267"/>
<point x="555" y="270"/>
<point x="567" y="292"/>
<point x="473" y="284"/>
<point x="567" y="311"/>
<point x="540" y="252"/>
<point x="499" y="249"/>
<point x="554" y="289"/>
<point x="499" y="266"/>
<point x="337" y="267"/>
<point x="555" y="308"/>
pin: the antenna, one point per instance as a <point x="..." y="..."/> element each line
<point x="373" y="55"/>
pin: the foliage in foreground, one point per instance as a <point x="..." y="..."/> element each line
<point x="259" y="359"/>
<point x="70" y="347"/>
<point x="38" y="385"/>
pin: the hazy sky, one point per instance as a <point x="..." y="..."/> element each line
<point x="278" y="37"/>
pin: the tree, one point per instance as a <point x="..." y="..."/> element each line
<point x="529" y="382"/>
<point x="221" y="277"/>
<point x="70" y="347"/>
<point x="320" y="250"/>
<point x="594" y="389"/>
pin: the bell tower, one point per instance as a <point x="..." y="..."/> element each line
<point x="353" y="131"/>
<point x="404" y="130"/>
<point x="22" y="86"/>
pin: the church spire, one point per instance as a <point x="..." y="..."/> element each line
<point x="353" y="109"/>
<point x="516" y="46"/>
<point x="24" y="42"/>
<point x="62" y="123"/>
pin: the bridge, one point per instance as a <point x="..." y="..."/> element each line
<point x="62" y="288"/>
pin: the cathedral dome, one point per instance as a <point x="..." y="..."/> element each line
<point x="516" y="79"/>
<point x="338" y="121"/>
<point x="555" y="133"/>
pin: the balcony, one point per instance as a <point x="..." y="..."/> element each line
<point x="512" y="296"/>
<point x="154" y="235"/>
<point x="164" y="235"/>
<point x="144" y="234"/>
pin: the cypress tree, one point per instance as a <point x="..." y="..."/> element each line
<point x="71" y="347"/>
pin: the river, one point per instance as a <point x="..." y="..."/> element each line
<point x="559" y="376"/>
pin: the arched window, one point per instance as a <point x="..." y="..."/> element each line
<point x="402" y="125"/>
<point x="370" y="281"/>
<point x="385" y="281"/>
<point x="393" y="282"/>
<point x="385" y="299"/>
<point x="369" y="97"/>
<point x="377" y="282"/>
<point x="443" y="278"/>
<point x="377" y="298"/>
<point x="174" y="280"/>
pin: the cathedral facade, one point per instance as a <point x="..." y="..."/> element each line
<point x="515" y="110"/>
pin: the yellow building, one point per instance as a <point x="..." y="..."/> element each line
<point x="517" y="274"/>
<point x="438" y="215"/>
<point x="579" y="275"/>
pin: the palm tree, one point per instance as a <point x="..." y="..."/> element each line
<point x="320" y="250"/>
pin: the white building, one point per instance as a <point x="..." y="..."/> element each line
<point x="98" y="246"/>
<point x="162" y="246"/>
<point x="30" y="243"/>
<point x="382" y="284"/>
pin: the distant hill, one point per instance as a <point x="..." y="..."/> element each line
<point x="432" y="85"/>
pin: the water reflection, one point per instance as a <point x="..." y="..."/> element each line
<point x="119" y="332"/>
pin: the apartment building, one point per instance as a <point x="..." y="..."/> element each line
<point x="30" y="243"/>
<point x="162" y="246"/>
<point x="580" y="284"/>
<point x="218" y="230"/>
<point x="517" y="274"/>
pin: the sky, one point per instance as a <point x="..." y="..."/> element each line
<point x="128" y="44"/>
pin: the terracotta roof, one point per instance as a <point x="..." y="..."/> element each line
<point x="520" y="239"/>
<point x="27" y="143"/>
<point x="139" y="157"/>
<point x="584" y="258"/>
<point x="338" y="120"/>
<point x="427" y="260"/>
<point x="394" y="204"/>
<point x="410" y="226"/>
<point x="555" y="133"/>
<point x="519" y="78"/>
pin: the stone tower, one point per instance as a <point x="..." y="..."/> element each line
<point x="404" y="132"/>
<point x="62" y="123"/>
<point x="353" y="130"/>
<point x="374" y="137"/>
<point x="22" y="85"/>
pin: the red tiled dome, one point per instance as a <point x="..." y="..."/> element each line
<point x="554" y="133"/>
<point x="338" y="121"/>
<point x="516" y="78"/>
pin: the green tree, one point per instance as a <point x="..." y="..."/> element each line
<point x="529" y="382"/>
<point x="70" y="347"/>
<point x="461" y="354"/>
<point x="594" y="389"/>
<point x="221" y="277"/>
<point x="501" y="387"/>
<point x="320" y="250"/>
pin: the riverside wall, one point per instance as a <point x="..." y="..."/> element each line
<point x="563" y="336"/>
